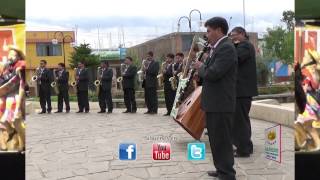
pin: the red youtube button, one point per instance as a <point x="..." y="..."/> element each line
<point x="161" y="151"/>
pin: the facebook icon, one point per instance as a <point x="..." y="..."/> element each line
<point x="127" y="151"/>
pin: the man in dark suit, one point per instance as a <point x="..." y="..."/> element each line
<point x="105" y="97"/>
<point x="169" y="93"/>
<point x="44" y="81"/>
<point x="246" y="89"/>
<point x="128" y="86"/>
<point x="82" y="79"/>
<point x="218" y="98"/>
<point x="151" y="84"/>
<point x="62" y="78"/>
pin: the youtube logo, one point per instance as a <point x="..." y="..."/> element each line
<point x="161" y="151"/>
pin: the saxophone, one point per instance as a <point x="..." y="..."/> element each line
<point x="160" y="75"/>
<point x="54" y="83"/>
<point x="98" y="81"/>
<point x="74" y="83"/>
<point x="142" y="72"/>
<point x="123" y="69"/>
<point x="174" y="79"/>
<point x="36" y="75"/>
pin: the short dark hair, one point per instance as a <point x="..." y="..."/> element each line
<point x="240" y="30"/>
<point x="43" y="61"/>
<point x="130" y="58"/>
<point x="62" y="65"/>
<point x="170" y="55"/>
<point x="150" y="53"/>
<point x="180" y="54"/>
<point x="82" y="62"/>
<point x="218" y="22"/>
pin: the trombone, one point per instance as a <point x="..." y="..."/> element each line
<point x="74" y="83"/>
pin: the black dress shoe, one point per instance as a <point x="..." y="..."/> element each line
<point x="148" y="112"/>
<point x="241" y="155"/>
<point x="126" y="111"/>
<point x="86" y="111"/>
<point x="101" y="111"/>
<point x="79" y="112"/>
<point x="133" y="112"/>
<point x="109" y="112"/>
<point x="213" y="173"/>
<point x="153" y="113"/>
<point x="42" y="112"/>
<point x="58" y="112"/>
<point x="166" y="114"/>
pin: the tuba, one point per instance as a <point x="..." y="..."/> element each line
<point x="160" y="75"/>
<point x="54" y="83"/>
<point x="74" y="83"/>
<point x="142" y="72"/>
<point x="36" y="75"/>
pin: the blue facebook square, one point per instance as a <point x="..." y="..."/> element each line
<point x="127" y="151"/>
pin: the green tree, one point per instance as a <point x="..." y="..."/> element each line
<point x="288" y="19"/>
<point x="279" y="44"/>
<point x="83" y="53"/>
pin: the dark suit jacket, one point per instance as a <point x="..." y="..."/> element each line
<point x="129" y="77"/>
<point x="63" y="81"/>
<point x="106" y="79"/>
<point x="45" y="79"/>
<point x="247" y="74"/>
<point x="219" y="79"/>
<point x="151" y="74"/>
<point x="83" y="81"/>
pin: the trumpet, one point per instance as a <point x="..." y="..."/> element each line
<point x="74" y="83"/>
<point x="142" y="72"/>
<point x="36" y="75"/>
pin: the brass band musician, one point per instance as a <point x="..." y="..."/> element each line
<point x="169" y="92"/>
<point x="128" y="86"/>
<point x="82" y="83"/>
<point x="150" y="84"/>
<point x="105" y="97"/>
<point x="62" y="77"/>
<point x="44" y="79"/>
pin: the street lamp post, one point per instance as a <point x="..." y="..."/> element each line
<point x="195" y="10"/>
<point x="64" y="37"/>
<point x="184" y="17"/>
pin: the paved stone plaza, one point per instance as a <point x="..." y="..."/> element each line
<point x="85" y="147"/>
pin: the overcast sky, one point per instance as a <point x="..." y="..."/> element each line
<point x="142" y="20"/>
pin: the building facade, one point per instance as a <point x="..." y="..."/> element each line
<point x="53" y="46"/>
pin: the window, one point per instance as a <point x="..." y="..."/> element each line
<point x="49" y="49"/>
